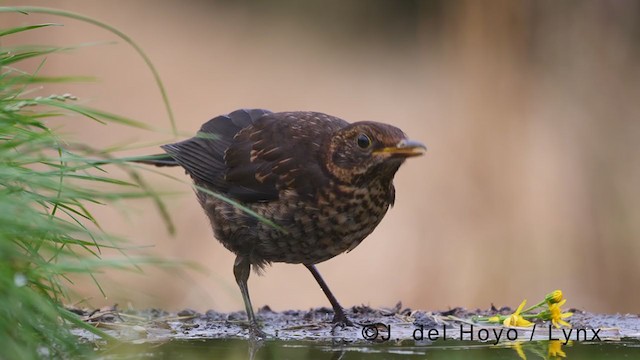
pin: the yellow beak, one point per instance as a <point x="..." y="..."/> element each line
<point x="405" y="148"/>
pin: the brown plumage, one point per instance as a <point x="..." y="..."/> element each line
<point x="324" y="183"/>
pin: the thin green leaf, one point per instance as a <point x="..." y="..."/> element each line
<point x="14" y="30"/>
<point x="138" y="49"/>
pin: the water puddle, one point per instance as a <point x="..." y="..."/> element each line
<point x="380" y="334"/>
<point x="450" y="349"/>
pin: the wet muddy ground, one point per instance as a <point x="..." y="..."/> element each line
<point x="396" y="325"/>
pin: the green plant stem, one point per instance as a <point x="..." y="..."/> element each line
<point x="529" y="309"/>
<point x="123" y="36"/>
<point x="73" y="318"/>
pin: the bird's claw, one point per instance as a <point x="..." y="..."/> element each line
<point x="341" y="320"/>
<point x="255" y="333"/>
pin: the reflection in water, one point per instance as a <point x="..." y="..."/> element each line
<point x="275" y="349"/>
<point x="542" y="349"/>
<point x="555" y="349"/>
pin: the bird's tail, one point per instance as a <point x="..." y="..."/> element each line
<point x="159" y="160"/>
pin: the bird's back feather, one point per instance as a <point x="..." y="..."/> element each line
<point x="251" y="155"/>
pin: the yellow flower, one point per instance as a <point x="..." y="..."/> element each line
<point x="494" y="319"/>
<point x="554" y="297"/>
<point x="516" y="319"/>
<point x="555" y="349"/>
<point x="518" y="348"/>
<point x="557" y="316"/>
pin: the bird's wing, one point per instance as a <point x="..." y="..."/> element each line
<point x="252" y="155"/>
<point x="202" y="156"/>
<point x="279" y="152"/>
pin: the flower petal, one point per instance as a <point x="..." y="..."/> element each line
<point x="519" y="309"/>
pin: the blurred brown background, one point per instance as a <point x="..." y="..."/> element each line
<point x="530" y="111"/>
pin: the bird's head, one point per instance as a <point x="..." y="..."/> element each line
<point x="366" y="150"/>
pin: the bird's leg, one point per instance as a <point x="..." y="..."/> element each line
<point x="241" y="270"/>
<point x="339" y="317"/>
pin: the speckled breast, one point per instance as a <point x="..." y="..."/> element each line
<point x="308" y="231"/>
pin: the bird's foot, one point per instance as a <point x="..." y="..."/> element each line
<point x="341" y="320"/>
<point x="255" y="333"/>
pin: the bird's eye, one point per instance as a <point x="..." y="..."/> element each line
<point x="363" y="141"/>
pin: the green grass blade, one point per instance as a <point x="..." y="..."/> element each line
<point x="18" y="29"/>
<point x="136" y="47"/>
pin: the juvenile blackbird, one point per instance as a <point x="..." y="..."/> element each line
<point x="317" y="184"/>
